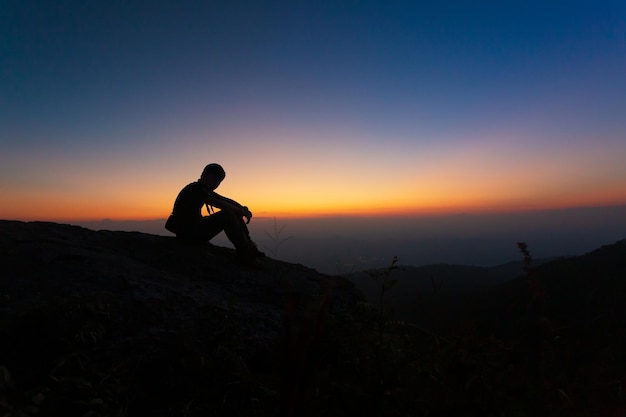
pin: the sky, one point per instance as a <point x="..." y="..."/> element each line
<point x="314" y="108"/>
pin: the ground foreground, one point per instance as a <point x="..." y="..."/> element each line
<point x="124" y="324"/>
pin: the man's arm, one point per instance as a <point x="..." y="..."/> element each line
<point x="225" y="203"/>
<point x="222" y="202"/>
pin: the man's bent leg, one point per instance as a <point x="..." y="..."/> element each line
<point x="235" y="229"/>
<point x="237" y="232"/>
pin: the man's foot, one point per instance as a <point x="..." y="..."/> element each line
<point x="256" y="250"/>
<point x="248" y="257"/>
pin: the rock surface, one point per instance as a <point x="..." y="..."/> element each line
<point x="103" y="321"/>
<point x="128" y="324"/>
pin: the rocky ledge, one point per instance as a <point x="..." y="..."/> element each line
<point x="125" y="323"/>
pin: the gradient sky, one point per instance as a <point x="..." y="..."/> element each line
<point x="108" y="108"/>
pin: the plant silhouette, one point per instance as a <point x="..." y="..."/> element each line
<point x="276" y="239"/>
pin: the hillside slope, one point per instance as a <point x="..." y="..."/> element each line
<point x="587" y="291"/>
<point x="93" y="323"/>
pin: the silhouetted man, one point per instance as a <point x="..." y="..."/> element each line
<point x="189" y="225"/>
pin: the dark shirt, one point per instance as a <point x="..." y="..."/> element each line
<point x="189" y="202"/>
<point x="188" y="205"/>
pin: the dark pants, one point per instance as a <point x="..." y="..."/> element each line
<point x="208" y="227"/>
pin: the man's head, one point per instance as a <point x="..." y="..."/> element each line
<point x="212" y="176"/>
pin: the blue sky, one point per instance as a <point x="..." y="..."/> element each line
<point x="107" y="108"/>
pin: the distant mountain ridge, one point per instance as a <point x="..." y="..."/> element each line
<point x="417" y="288"/>
<point x="571" y="292"/>
<point x="420" y="282"/>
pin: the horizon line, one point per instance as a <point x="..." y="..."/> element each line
<point x="355" y="214"/>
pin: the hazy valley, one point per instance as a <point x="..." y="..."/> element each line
<point x="344" y="244"/>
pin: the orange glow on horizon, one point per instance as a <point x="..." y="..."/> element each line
<point x="60" y="212"/>
<point x="440" y="190"/>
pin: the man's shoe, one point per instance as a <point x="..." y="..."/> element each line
<point x="249" y="258"/>
<point x="256" y="250"/>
